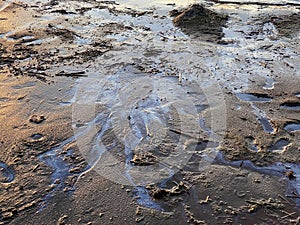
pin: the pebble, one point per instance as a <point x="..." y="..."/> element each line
<point x="37" y="119"/>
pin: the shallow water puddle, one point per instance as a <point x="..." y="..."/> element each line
<point x="23" y="39"/>
<point x="250" y="141"/>
<point x="292" y="127"/>
<point x="68" y="99"/>
<point x="7" y="175"/>
<point x="254" y="97"/>
<point x="269" y="84"/>
<point x="291" y="105"/>
<point x="155" y="120"/>
<point x="4" y="99"/>
<point x="62" y="170"/>
<point x="266" y="124"/>
<point x="280" y="144"/>
<point x="263" y="119"/>
<point x="37" y="42"/>
<point x="25" y="85"/>
<point x="201" y="146"/>
<point x="37" y="137"/>
<point x="143" y="198"/>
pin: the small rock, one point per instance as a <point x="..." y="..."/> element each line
<point x="62" y="219"/>
<point x="57" y="181"/>
<point x="290" y="175"/>
<point x="139" y="219"/>
<point x="37" y="119"/>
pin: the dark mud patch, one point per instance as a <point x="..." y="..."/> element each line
<point x="287" y="26"/>
<point x="200" y="22"/>
<point x="75" y="74"/>
<point x="63" y="33"/>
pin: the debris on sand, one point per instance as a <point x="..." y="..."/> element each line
<point x="191" y="216"/>
<point x="144" y="159"/>
<point x="265" y="203"/>
<point x="158" y="193"/>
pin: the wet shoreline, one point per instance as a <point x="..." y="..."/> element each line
<point x="141" y="105"/>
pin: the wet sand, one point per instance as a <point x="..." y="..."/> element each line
<point x="113" y="115"/>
